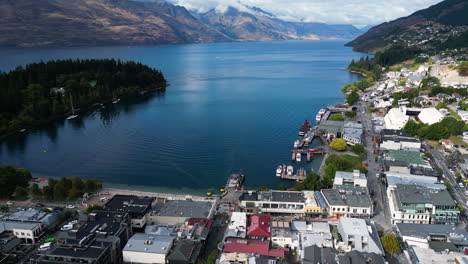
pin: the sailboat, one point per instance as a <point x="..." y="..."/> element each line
<point x="73" y="116"/>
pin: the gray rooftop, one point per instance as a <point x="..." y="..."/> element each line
<point x="183" y="208"/>
<point x="424" y="231"/>
<point x="287" y="196"/>
<point x="333" y="197"/>
<point x="410" y="194"/>
<point x="149" y="244"/>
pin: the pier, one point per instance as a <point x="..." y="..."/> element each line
<point x="300" y="175"/>
<point x="308" y="152"/>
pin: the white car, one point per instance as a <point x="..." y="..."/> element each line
<point x="461" y="185"/>
<point x="9" y="203"/>
<point x="70" y="206"/>
<point x="67" y="227"/>
<point x="466" y="192"/>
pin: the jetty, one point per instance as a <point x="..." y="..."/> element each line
<point x="308" y="152"/>
<point x="308" y="136"/>
<point x="300" y="175"/>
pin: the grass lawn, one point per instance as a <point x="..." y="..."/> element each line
<point x="351" y="161"/>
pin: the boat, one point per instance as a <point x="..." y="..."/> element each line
<point x="23" y="130"/>
<point x="298" y="157"/>
<point x="279" y="171"/>
<point x="296" y="143"/>
<point x="304" y="128"/>
<point x="209" y="192"/>
<point x="221" y="189"/>
<point x="289" y="170"/>
<point x="318" y="118"/>
<point x="73" y="116"/>
<point x="306" y="143"/>
<point x="116" y="101"/>
<point x="322" y="112"/>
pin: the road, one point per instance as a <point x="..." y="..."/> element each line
<point x="374" y="184"/>
<point x="440" y="160"/>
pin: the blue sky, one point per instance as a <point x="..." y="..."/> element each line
<point x="357" y="12"/>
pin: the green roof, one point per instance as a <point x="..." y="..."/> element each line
<point x="412" y="157"/>
<point x="439" y="246"/>
<point x="185" y="251"/>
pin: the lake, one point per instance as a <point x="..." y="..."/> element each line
<point x="229" y="106"/>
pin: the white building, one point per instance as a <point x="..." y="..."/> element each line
<point x="398" y="140"/>
<point x="281" y="234"/>
<point x="356" y="234"/>
<point x="237" y="225"/>
<point x="430" y="116"/>
<point x="355" y="178"/>
<point x="396" y="118"/>
<point x="142" y="248"/>
<point x="309" y="234"/>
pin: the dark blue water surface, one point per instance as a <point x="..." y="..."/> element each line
<point x="230" y="106"/>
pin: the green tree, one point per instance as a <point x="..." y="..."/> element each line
<point x="457" y="174"/>
<point x="358" y="149"/>
<point x="337" y="117"/>
<point x="92" y="185"/>
<point x="60" y="192"/>
<point x="282" y="187"/>
<point x="36" y="191"/>
<point x="338" y="144"/>
<point x="21" y="192"/>
<point x="352" y="98"/>
<point x="92" y="208"/>
<point x="391" y="244"/>
<point x="350" y="114"/>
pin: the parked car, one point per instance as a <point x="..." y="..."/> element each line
<point x="9" y="203"/>
<point x="461" y="185"/>
<point x="70" y="206"/>
<point x="39" y="205"/>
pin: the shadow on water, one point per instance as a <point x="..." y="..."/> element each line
<point x="17" y="143"/>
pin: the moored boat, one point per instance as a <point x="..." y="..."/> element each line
<point x="296" y="143"/>
<point x="289" y="170"/>
<point x="279" y="171"/>
<point x="298" y="157"/>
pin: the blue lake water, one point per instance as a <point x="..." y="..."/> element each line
<point x="229" y="106"/>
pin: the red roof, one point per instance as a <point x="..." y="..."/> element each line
<point x="202" y="221"/>
<point x="259" y="225"/>
<point x="253" y="246"/>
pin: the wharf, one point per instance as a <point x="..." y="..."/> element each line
<point x="308" y="137"/>
<point x="300" y="175"/>
<point x="308" y="152"/>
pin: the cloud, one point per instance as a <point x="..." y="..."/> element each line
<point x="356" y="12"/>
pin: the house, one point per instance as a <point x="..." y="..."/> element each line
<point x="142" y="248"/>
<point x="424" y="235"/>
<point x="411" y="203"/>
<point x="447" y="143"/>
<point x="357" y="234"/>
<point x="309" y="234"/>
<point x="430" y="116"/>
<point x="277" y="202"/>
<point x="237" y="226"/>
<point x="96" y="238"/>
<point x="392" y="139"/>
<point x="179" y="211"/>
<point x="355" y="178"/>
<point x="28" y="225"/>
<point x="185" y="251"/>
<point x="281" y="234"/>
<point x="315" y="254"/>
<point x="405" y="158"/>
<point x="137" y="207"/>
<point x="250" y="246"/>
<point x="258" y="226"/>
<point x="348" y="201"/>
<point x="352" y="133"/>
<point x="396" y="118"/>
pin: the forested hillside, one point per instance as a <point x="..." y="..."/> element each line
<point x="43" y="91"/>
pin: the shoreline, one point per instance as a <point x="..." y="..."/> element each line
<point x="64" y="116"/>
<point x="357" y="72"/>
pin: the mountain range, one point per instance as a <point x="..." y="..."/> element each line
<point x="422" y="29"/>
<point x="26" y="23"/>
